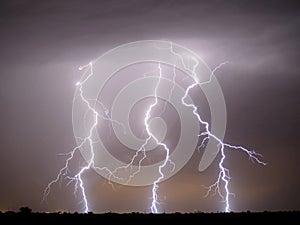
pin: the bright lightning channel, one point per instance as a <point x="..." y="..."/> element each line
<point x="223" y="175"/>
<point x="167" y="157"/>
<point x="142" y="149"/>
<point x="63" y="173"/>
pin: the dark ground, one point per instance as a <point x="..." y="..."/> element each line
<point x="290" y="217"/>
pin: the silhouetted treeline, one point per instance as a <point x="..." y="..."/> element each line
<point x="26" y="216"/>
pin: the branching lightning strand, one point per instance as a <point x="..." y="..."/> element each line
<point x="167" y="157"/>
<point x="223" y="175"/>
<point x="63" y="173"/>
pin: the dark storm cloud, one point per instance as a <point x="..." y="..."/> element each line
<point x="68" y="24"/>
<point x="43" y="43"/>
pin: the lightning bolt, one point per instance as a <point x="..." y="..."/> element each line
<point x="142" y="149"/>
<point x="223" y="175"/>
<point x="165" y="147"/>
<point x="64" y="172"/>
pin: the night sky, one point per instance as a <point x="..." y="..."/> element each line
<point x="44" y="42"/>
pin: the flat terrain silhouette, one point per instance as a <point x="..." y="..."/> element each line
<point x="26" y="216"/>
